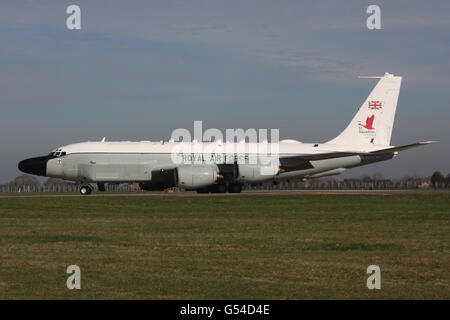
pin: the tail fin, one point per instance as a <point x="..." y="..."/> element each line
<point x="372" y="124"/>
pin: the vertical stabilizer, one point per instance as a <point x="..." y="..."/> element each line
<point x="372" y="124"/>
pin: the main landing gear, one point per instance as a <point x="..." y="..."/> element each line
<point x="235" y="188"/>
<point x="222" y="188"/>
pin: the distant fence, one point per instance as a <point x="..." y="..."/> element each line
<point x="340" y="185"/>
<point x="295" y="185"/>
<point x="69" y="187"/>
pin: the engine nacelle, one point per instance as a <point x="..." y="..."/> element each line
<point x="197" y="176"/>
<point x="253" y="173"/>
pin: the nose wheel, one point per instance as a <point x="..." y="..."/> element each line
<point x="85" y="190"/>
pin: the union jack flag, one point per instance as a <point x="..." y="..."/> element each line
<point x="375" y="105"/>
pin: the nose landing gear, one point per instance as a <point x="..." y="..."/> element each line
<point x="85" y="190"/>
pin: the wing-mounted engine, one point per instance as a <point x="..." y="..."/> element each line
<point x="254" y="173"/>
<point x="188" y="177"/>
<point x="192" y="177"/>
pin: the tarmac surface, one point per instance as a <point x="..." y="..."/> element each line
<point x="244" y="193"/>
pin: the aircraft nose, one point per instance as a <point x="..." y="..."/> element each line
<point x="36" y="166"/>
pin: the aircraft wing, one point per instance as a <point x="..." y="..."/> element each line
<point x="293" y="163"/>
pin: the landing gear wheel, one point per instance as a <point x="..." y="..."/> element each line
<point x="235" y="188"/>
<point x="85" y="190"/>
<point x="220" y="188"/>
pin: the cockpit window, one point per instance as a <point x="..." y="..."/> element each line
<point x="57" y="153"/>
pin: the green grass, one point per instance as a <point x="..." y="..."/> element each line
<point x="227" y="247"/>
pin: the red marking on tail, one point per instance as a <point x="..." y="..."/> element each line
<point x="369" y="123"/>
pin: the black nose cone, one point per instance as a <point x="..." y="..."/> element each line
<point x="36" y="166"/>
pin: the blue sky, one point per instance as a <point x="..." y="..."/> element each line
<point x="139" y="69"/>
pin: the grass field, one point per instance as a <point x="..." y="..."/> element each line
<point x="241" y="247"/>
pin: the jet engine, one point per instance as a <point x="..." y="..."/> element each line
<point x="192" y="177"/>
<point x="253" y="173"/>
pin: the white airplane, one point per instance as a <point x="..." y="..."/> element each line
<point x="161" y="165"/>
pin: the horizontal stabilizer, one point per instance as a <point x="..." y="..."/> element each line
<point x="401" y="148"/>
<point x="293" y="163"/>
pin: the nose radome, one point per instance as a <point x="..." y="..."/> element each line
<point x="36" y="166"/>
